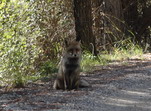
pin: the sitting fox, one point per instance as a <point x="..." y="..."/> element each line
<point x="69" y="69"/>
<point x="68" y="77"/>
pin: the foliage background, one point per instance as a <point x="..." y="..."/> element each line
<point x="32" y="34"/>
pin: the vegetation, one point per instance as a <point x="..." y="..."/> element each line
<point x="119" y="53"/>
<point x="32" y="34"/>
<point x="17" y="43"/>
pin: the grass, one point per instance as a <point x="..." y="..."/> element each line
<point x="122" y="54"/>
<point x="89" y="61"/>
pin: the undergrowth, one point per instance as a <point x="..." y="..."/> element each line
<point x="89" y="61"/>
<point x="48" y="68"/>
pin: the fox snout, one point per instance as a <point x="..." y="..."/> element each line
<point x="74" y="52"/>
<point x="75" y="55"/>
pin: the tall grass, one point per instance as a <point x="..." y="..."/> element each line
<point x="121" y="52"/>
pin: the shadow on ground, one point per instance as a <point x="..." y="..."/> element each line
<point x="120" y="86"/>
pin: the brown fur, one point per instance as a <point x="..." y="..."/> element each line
<point x="69" y="69"/>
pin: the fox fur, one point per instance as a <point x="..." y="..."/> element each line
<point x="68" y="77"/>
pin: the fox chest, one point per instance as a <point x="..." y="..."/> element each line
<point x="71" y="65"/>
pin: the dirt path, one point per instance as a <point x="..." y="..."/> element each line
<point x="121" y="86"/>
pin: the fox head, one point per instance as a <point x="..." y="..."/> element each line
<point x="73" y="49"/>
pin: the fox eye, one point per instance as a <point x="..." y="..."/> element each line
<point x="77" y="50"/>
<point x="70" y="51"/>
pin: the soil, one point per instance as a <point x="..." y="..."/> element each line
<point x="120" y="86"/>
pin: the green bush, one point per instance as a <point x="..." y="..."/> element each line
<point x="17" y="43"/>
<point x="48" y="67"/>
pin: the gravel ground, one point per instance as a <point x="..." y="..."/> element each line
<point x="120" y="86"/>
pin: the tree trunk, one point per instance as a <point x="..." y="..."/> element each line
<point x="83" y="24"/>
<point x="131" y="15"/>
<point x="98" y="28"/>
<point x="113" y="9"/>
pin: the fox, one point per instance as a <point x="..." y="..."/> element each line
<point x="68" y="76"/>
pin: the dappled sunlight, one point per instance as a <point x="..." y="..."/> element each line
<point x="138" y="76"/>
<point x="4" y="101"/>
<point x="127" y="103"/>
<point x="136" y="93"/>
<point x="130" y="98"/>
<point x="121" y="101"/>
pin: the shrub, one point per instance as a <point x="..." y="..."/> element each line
<point x="17" y="43"/>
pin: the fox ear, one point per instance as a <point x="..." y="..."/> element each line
<point x="66" y="43"/>
<point x="79" y="41"/>
<point x="78" y="38"/>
